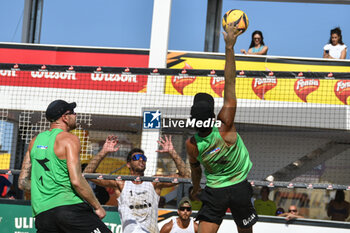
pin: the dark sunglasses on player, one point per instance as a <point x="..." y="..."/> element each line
<point x="138" y="156"/>
<point x="292" y="211"/>
<point x="183" y="208"/>
<point x="70" y="112"/>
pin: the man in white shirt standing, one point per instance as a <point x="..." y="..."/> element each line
<point x="137" y="200"/>
<point x="184" y="223"/>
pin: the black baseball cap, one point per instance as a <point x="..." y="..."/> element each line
<point x="57" y="108"/>
<point x="203" y="106"/>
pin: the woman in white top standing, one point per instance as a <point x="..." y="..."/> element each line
<point x="336" y="48"/>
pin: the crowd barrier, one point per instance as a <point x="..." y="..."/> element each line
<point x="16" y="217"/>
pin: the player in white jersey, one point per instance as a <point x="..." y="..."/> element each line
<point x="137" y="200"/>
<point x="137" y="206"/>
<point x="184" y="223"/>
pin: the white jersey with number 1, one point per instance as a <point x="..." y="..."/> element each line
<point x="138" y="208"/>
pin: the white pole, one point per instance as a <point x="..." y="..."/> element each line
<point x="156" y="84"/>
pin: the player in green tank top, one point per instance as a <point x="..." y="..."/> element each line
<point x="50" y="183"/>
<point x="223" y="155"/>
<point x="51" y="170"/>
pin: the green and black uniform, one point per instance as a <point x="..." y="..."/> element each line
<point x="226" y="170"/>
<point x="50" y="185"/>
<point x="53" y="197"/>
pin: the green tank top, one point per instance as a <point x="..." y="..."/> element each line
<point x="50" y="183"/>
<point x="224" y="165"/>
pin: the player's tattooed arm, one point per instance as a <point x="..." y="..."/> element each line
<point x="166" y="146"/>
<point x="110" y="145"/>
<point x="24" y="177"/>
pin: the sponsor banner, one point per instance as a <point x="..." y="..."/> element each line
<point x="211" y="61"/>
<point x="321" y="91"/>
<point x="72" y="80"/>
<point x="76" y="56"/>
<point x="5" y="161"/>
<point x="272" y="224"/>
<point x="17" y="218"/>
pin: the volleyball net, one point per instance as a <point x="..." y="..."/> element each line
<point x="295" y="125"/>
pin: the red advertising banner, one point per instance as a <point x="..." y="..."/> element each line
<point x="76" y="56"/>
<point x="71" y="80"/>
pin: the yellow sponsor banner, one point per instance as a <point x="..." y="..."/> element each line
<point x="321" y="91"/>
<point x="209" y="61"/>
<point x="5" y="161"/>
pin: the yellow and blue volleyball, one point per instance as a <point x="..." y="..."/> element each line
<point x="238" y="17"/>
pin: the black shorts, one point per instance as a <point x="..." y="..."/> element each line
<point x="237" y="197"/>
<point x="78" y="218"/>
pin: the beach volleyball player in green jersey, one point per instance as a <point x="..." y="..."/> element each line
<point x="223" y="155"/>
<point x="61" y="198"/>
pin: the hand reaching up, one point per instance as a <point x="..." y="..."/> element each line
<point x="110" y="144"/>
<point x="231" y="35"/>
<point x="166" y="145"/>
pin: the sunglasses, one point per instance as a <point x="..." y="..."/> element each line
<point x="70" y="112"/>
<point x="183" y="208"/>
<point x="292" y="211"/>
<point x="138" y="156"/>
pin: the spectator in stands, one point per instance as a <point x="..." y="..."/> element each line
<point x="196" y="203"/>
<point x="338" y="209"/>
<point x="183" y="223"/>
<point x="162" y="202"/>
<point x="4" y="184"/>
<point x="257" y="45"/>
<point x="279" y="211"/>
<point x="264" y="206"/>
<point x="293" y="213"/>
<point x="11" y="194"/>
<point x="336" y="48"/>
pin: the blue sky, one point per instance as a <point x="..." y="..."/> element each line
<point x="290" y="29"/>
<point x="5" y="140"/>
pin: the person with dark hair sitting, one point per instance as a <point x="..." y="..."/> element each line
<point x="264" y="206"/>
<point x="279" y="211"/>
<point x="336" y="48"/>
<point x="257" y="45"/>
<point x="338" y="209"/>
